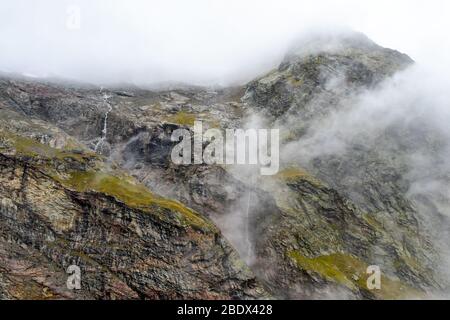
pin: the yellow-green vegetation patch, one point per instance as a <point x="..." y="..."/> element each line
<point x="349" y="271"/>
<point x="294" y="81"/>
<point x="182" y="118"/>
<point x="187" y="119"/>
<point x="322" y="266"/>
<point x="133" y="194"/>
<point x="29" y="147"/>
<point x="295" y="173"/>
<point x="288" y="136"/>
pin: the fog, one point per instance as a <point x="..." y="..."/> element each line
<point x="198" y="42"/>
<point x="403" y="121"/>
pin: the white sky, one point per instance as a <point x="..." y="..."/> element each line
<point x="200" y="41"/>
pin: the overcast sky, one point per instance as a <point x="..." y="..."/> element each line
<point x="199" y="41"/>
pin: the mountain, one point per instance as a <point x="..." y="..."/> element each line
<point x="87" y="180"/>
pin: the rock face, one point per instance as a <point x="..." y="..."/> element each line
<point x="312" y="77"/>
<point x="341" y="211"/>
<point x="61" y="208"/>
<point x="139" y="226"/>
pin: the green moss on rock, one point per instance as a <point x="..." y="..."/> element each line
<point x="133" y="194"/>
<point x="349" y="271"/>
<point x="28" y="147"/>
<point x="182" y="118"/>
<point x="295" y="173"/>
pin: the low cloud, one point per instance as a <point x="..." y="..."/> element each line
<point x="197" y="42"/>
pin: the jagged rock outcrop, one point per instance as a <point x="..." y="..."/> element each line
<point x="315" y="75"/>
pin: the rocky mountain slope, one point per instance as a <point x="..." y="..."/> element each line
<point x="86" y="179"/>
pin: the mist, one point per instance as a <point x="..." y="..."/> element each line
<point x="405" y="120"/>
<point x="198" y="42"/>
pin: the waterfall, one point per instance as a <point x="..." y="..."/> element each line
<point x="105" y="123"/>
